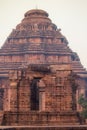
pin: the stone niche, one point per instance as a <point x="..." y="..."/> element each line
<point x="42" y="95"/>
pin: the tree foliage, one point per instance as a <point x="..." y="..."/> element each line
<point x="83" y="102"/>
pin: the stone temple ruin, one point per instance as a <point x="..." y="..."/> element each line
<point x="41" y="78"/>
<point x="42" y="95"/>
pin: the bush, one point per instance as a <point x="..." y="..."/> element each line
<point x="83" y="102"/>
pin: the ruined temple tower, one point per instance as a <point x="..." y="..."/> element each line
<point x="41" y="78"/>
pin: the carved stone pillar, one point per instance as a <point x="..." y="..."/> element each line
<point x="42" y="101"/>
<point x="13" y="96"/>
<point x="41" y="86"/>
<point x="13" y="91"/>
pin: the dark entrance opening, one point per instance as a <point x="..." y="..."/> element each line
<point x="1" y="98"/>
<point x="35" y="94"/>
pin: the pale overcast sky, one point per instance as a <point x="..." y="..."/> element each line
<point x="69" y="15"/>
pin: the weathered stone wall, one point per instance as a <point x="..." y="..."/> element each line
<point x="41" y="95"/>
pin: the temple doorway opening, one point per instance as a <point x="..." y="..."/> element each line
<point x="35" y="94"/>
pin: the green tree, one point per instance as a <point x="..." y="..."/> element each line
<point x="83" y="102"/>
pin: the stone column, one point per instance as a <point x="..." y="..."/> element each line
<point x="41" y="100"/>
<point x="13" y="91"/>
<point x="41" y="86"/>
<point x="13" y="96"/>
